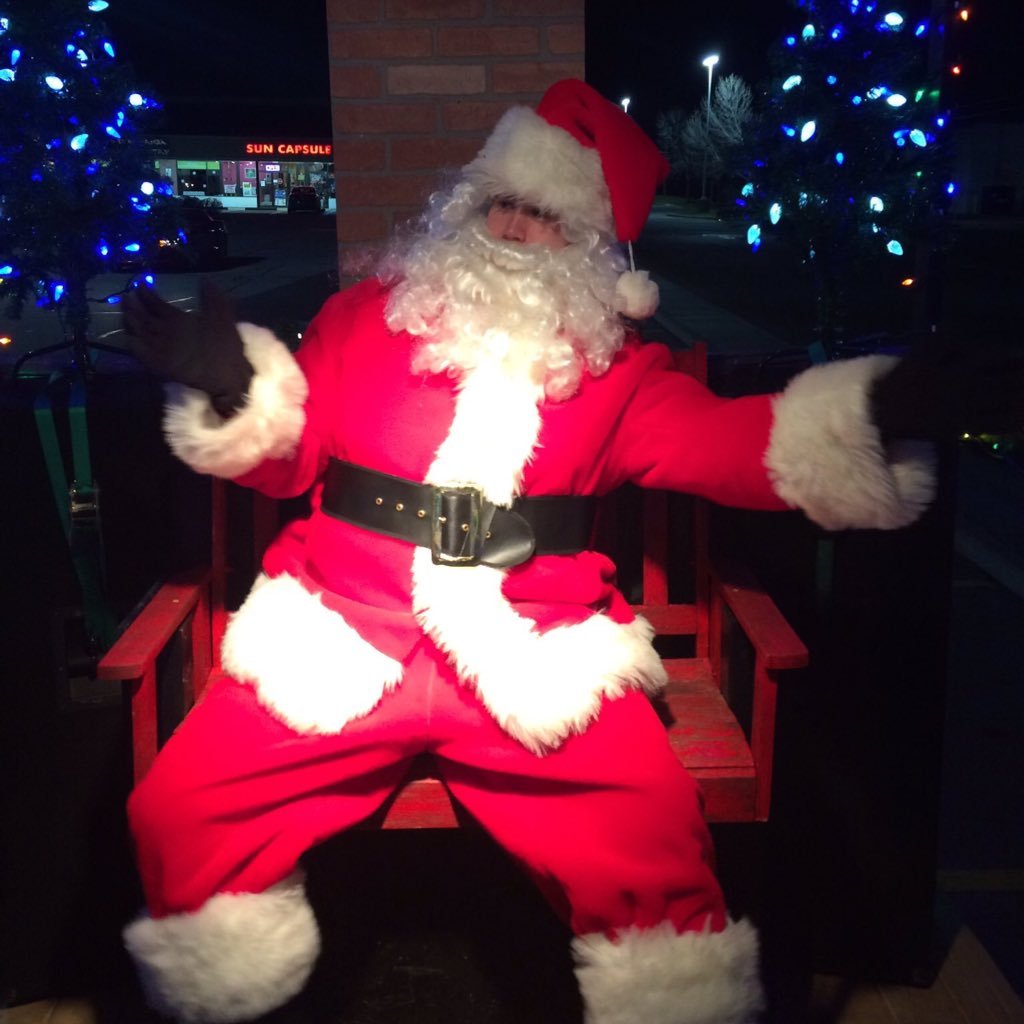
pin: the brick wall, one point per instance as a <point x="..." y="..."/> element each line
<point x="416" y="85"/>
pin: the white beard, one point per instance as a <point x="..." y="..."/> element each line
<point x="543" y="314"/>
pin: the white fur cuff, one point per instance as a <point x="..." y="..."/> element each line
<point x="268" y="426"/>
<point x="658" y="976"/>
<point x="826" y="456"/>
<point x="236" y="958"/>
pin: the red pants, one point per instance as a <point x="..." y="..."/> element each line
<point x="609" y="825"/>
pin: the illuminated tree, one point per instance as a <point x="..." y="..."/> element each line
<point x="75" y="179"/>
<point x="851" y="165"/>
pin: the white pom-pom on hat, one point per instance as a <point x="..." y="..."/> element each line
<point x="636" y="295"/>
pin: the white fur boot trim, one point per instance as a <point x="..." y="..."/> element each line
<point x="657" y="976"/>
<point x="323" y="676"/>
<point x="267" y="427"/>
<point x="826" y="456"/>
<point x="236" y="958"/>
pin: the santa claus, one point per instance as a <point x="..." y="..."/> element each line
<point x="453" y="418"/>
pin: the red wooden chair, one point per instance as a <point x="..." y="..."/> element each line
<point x="721" y="728"/>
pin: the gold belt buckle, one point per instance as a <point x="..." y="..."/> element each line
<point x="456" y="534"/>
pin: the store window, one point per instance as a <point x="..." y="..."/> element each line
<point x="272" y="190"/>
<point x="199" y="178"/>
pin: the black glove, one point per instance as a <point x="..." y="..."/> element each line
<point x="201" y="350"/>
<point x="939" y="397"/>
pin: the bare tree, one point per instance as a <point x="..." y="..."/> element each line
<point x="686" y="138"/>
<point x="732" y="110"/>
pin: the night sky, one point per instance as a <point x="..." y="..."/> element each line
<point x="225" y="68"/>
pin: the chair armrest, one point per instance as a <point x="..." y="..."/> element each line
<point x="136" y="650"/>
<point x="133" y="657"/>
<point x="771" y="636"/>
<point x="776" y="648"/>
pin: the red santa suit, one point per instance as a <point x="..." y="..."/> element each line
<point x="354" y="652"/>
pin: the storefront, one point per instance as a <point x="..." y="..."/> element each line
<point x="244" y="173"/>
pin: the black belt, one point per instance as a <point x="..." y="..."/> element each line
<point x="457" y="523"/>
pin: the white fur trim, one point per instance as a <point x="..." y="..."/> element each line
<point x="826" y="456"/>
<point x="540" y="687"/>
<point x="236" y="958"/>
<point x="658" y="976"/>
<point x="267" y="427"/>
<point x="492" y="435"/>
<point x="323" y="677"/>
<point x="527" y="157"/>
<point x="636" y="295"/>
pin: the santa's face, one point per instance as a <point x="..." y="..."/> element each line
<point x="510" y="220"/>
<point x="498" y="282"/>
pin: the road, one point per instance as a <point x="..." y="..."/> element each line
<point x="773" y="290"/>
<point x="279" y="270"/>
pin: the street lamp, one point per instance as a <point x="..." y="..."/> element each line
<point x="625" y="103"/>
<point x="709" y="63"/>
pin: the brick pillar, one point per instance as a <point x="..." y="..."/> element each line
<point x="416" y="85"/>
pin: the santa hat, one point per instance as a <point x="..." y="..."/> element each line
<point x="583" y="158"/>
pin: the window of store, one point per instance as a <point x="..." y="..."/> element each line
<point x="199" y="178"/>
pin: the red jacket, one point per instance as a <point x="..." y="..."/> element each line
<point x="554" y="616"/>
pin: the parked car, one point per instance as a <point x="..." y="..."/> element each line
<point x="190" y="235"/>
<point x="304" y="199"/>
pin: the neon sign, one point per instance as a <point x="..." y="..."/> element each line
<point x="288" y="149"/>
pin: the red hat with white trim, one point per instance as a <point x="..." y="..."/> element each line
<point x="583" y="158"/>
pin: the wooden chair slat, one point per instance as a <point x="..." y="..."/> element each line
<point x="135" y="651"/>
